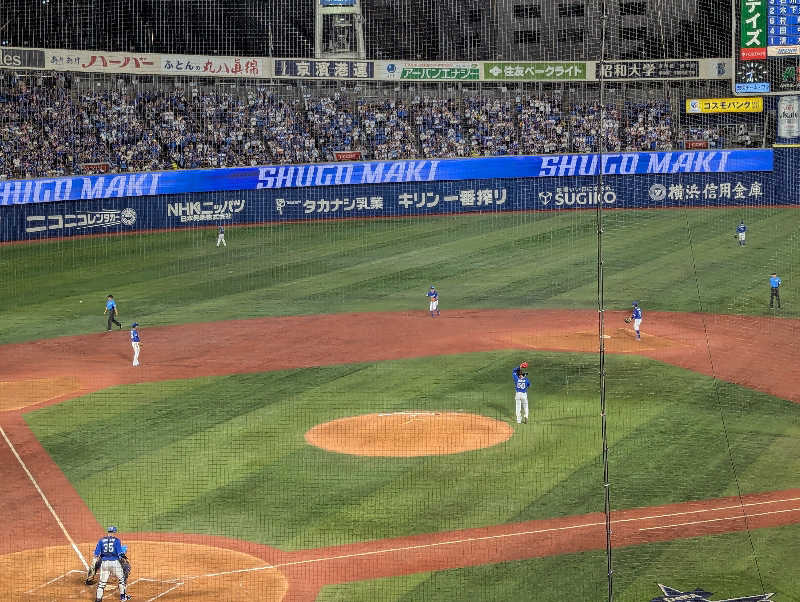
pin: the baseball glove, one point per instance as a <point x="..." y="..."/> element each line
<point x="627" y="320"/>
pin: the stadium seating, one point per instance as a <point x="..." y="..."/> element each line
<point x="54" y="129"/>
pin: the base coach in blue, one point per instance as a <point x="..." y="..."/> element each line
<point x="774" y="290"/>
<point x="111" y="310"/>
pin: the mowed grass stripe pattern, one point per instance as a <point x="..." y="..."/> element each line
<point x="227" y="456"/>
<point x="531" y="260"/>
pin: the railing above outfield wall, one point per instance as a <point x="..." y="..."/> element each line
<point x="140" y="202"/>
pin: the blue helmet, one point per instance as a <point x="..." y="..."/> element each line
<point x="134" y="325"/>
<point x="112" y="529"/>
<point x="635" y="303"/>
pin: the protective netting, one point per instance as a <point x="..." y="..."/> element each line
<point x="306" y="423"/>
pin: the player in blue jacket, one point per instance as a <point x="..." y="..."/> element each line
<point x="433" y="305"/>
<point x="636" y="316"/>
<point x="108" y="551"/>
<point x="111" y="310"/>
<point x="521" y="386"/>
<point x="774" y="290"/>
<point x="741" y="229"/>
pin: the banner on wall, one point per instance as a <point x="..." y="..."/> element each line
<point x="413" y="198"/>
<point x="535" y="71"/>
<point x="219" y="66"/>
<point x="634" y="70"/>
<point x="788" y="119"/>
<point x="725" y="105"/>
<point x="21" y="58"/>
<point x="44" y="190"/>
<point x="428" y="71"/>
<point x="440" y="71"/>
<point x="324" y="69"/>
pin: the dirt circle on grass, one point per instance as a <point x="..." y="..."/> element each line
<point x="409" y="434"/>
<point x="163" y="571"/>
<point x="18" y="394"/>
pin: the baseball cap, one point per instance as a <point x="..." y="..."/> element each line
<point x="432" y="286"/>
<point x="112" y="529"/>
<point x="134" y="325"/>
<point x="635" y="303"/>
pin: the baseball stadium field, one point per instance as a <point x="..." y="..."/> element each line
<point x="301" y="428"/>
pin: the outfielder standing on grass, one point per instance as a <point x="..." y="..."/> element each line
<point x="108" y="551"/>
<point x="433" y="306"/>
<point x="521" y="386"/>
<point x="111" y="310"/>
<point x="741" y="231"/>
<point x="221" y="236"/>
<point x="774" y="290"/>
<point x="135" y="343"/>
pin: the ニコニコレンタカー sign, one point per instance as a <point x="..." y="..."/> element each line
<point x="538" y="71"/>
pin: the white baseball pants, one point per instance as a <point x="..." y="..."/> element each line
<point x="107" y="568"/>
<point x="522" y="405"/>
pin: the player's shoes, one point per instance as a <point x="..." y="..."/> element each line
<point x="124" y="597"/>
<point x="524" y="421"/>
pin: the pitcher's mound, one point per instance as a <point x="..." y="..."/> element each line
<point x="409" y="434"/>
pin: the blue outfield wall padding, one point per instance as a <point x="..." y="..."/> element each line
<point x="26" y="221"/>
<point x="73" y="188"/>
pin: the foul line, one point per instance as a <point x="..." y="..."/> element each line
<point x="716" y="520"/>
<point x="44" y="498"/>
<point x="516" y="534"/>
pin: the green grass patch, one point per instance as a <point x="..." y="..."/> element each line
<point x="679" y="260"/>
<point x="227" y="455"/>
<point x="730" y="565"/>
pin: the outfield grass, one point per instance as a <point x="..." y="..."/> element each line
<point x="226" y="455"/>
<point x="722" y="564"/>
<point x="678" y="260"/>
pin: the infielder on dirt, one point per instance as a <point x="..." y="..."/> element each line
<point x="135" y="343"/>
<point x="636" y="317"/>
<point x="433" y="306"/>
<point x="108" y="551"/>
<point x="521" y="386"/>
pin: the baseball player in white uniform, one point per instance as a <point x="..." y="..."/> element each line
<point x="221" y="236"/>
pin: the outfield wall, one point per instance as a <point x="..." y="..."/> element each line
<point x="121" y="203"/>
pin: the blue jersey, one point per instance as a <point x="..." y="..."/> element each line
<point x="134" y="335"/>
<point x="637" y="313"/>
<point x="433" y="295"/>
<point x="774" y="281"/>
<point x="741" y="228"/>
<point x="108" y="548"/>
<point x="110" y="305"/>
<point x="521" y="384"/>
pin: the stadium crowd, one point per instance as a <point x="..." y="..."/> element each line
<point x="54" y="130"/>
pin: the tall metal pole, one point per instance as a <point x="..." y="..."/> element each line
<point x="601" y="304"/>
